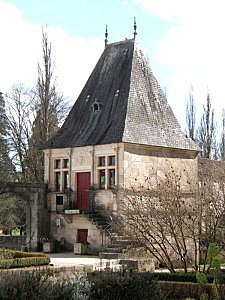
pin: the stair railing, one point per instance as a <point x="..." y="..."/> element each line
<point x="106" y="232"/>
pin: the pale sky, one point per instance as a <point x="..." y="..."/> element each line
<point x="183" y="39"/>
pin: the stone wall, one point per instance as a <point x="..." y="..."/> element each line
<point x="66" y="229"/>
<point x="134" y="163"/>
<point x="12" y="242"/>
<point x="152" y="163"/>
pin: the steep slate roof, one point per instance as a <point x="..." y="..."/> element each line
<point x="121" y="102"/>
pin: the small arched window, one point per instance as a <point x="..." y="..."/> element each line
<point x="96" y="106"/>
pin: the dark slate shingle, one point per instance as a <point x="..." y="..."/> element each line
<point x="121" y="102"/>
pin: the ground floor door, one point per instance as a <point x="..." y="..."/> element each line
<point x="82" y="235"/>
<point x="83" y="187"/>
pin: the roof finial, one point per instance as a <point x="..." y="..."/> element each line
<point x="106" y="35"/>
<point x="135" y="28"/>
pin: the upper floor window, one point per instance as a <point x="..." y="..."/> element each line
<point x="57" y="164"/>
<point x="111" y="160"/>
<point x="101" y="161"/>
<point x="61" y="174"/>
<point x="106" y="171"/>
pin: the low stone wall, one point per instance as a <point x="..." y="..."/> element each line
<point x="12" y="242"/>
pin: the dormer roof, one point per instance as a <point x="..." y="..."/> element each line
<point x="121" y="102"/>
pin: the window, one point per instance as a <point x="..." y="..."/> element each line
<point x="101" y="161"/>
<point x="58" y="181"/>
<point x="112" y="178"/>
<point x="58" y="164"/>
<point x="66" y="179"/>
<point x="61" y="174"/>
<point x="66" y="163"/>
<point x="106" y="171"/>
<point x="111" y="160"/>
<point x="59" y="200"/>
<point x="102" y="179"/>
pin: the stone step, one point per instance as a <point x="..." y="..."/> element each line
<point x="110" y="255"/>
<point x="114" y="245"/>
<point x="113" y="250"/>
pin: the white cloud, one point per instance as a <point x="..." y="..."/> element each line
<point x="20" y="52"/>
<point x="195" y="48"/>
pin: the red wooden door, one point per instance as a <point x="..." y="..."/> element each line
<point x="83" y="186"/>
<point x="82" y="235"/>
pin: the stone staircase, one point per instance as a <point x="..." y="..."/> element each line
<point x="97" y="218"/>
<point x="116" y="244"/>
<point x="116" y="249"/>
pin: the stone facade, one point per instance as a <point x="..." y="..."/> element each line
<point x="133" y="164"/>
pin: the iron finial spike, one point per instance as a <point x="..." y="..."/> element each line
<point x="135" y="27"/>
<point x="106" y="35"/>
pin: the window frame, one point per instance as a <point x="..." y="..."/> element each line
<point x="62" y="170"/>
<point x="107" y="167"/>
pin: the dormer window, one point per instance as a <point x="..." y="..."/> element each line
<point x="96" y="106"/>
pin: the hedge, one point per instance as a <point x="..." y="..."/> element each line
<point x="9" y="254"/>
<point x="184" y="277"/>
<point x="24" y="262"/>
<point x="186" y="290"/>
<point x="16" y="259"/>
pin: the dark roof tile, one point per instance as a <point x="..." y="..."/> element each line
<point x="121" y="102"/>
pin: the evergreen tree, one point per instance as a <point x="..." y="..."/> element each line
<point x="7" y="172"/>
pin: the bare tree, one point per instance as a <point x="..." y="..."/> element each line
<point x="163" y="219"/>
<point x="206" y="135"/>
<point x="18" y="118"/>
<point x="50" y="109"/>
<point x="176" y="219"/>
<point x="222" y="139"/>
<point x="211" y="199"/>
<point x="190" y="116"/>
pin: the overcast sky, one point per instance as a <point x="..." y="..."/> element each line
<point x="183" y="39"/>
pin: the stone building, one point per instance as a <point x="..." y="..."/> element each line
<point x="120" y="129"/>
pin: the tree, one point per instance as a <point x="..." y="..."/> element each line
<point x="206" y="136"/>
<point x="190" y="117"/>
<point x="175" y="219"/>
<point x="211" y="198"/>
<point x="19" y="117"/>
<point x="12" y="210"/>
<point x="33" y="116"/>
<point x="222" y="139"/>
<point x="162" y="218"/>
<point x="50" y="109"/>
<point x="12" y="213"/>
<point x="6" y="166"/>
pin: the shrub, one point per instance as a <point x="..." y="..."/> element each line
<point x="15" y="259"/>
<point x="109" y="285"/>
<point x="42" y="284"/>
<point x="7" y="254"/>
<point x="23" y="262"/>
